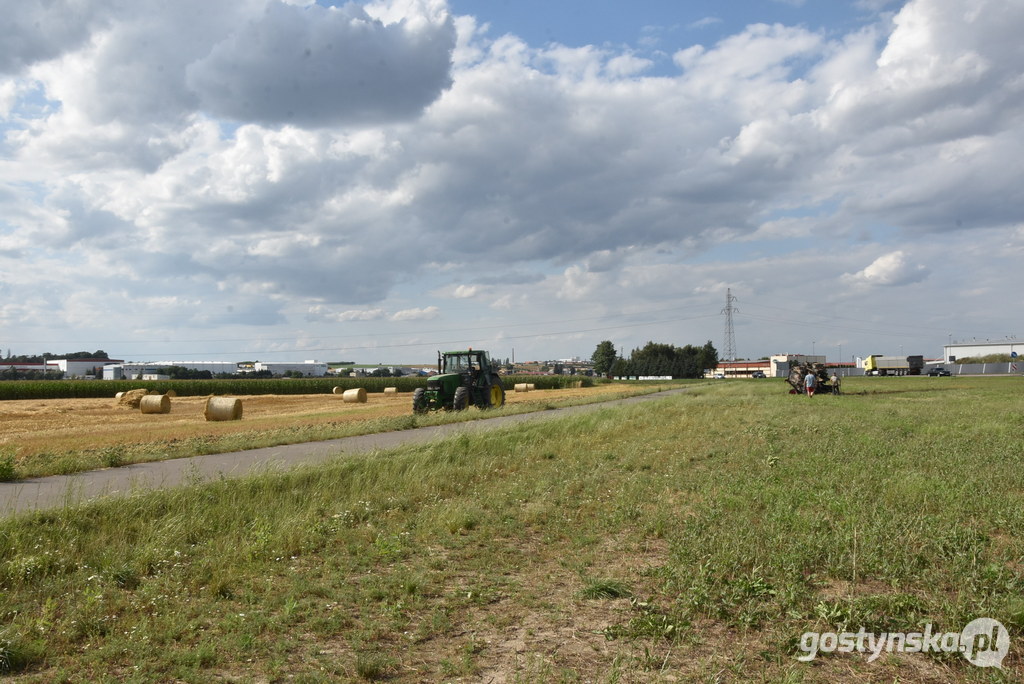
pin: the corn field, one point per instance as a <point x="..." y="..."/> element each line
<point x="85" y="389"/>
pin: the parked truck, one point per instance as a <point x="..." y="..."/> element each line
<point x="876" y="364"/>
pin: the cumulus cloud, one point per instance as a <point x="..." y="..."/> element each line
<point x="424" y="314"/>
<point x="465" y="291"/>
<point x="290" y="159"/>
<point x="254" y="61"/>
<point x="38" y="31"/>
<point x="704" y="21"/>
<point x="889" y="270"/>
<point x="320" y="312"/>
<point x="316" y="66"/>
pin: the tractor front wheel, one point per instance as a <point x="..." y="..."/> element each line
<point x="496" y="396"/>
<point x="460" y="402"/>
<point x="419" y="400"/>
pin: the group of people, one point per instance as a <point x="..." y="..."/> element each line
<point x="811" y="383"/>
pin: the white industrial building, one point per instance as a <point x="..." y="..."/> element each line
<point x="963" y="350"/>
<point x="395" y="371"/>
<point x="132" y="369"/>
<point x="19" y="366"/>
<point x="81" y="368"/>
<point x="71" y="368"/>
<point x="315" y="369"/>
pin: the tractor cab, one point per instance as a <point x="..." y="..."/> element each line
<point x="469" y="364"/>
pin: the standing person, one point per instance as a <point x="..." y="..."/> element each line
<point x="835" y="383"/>
<point x="810" y="382"/>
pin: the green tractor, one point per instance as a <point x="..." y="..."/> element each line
<point x="463" y="378"/>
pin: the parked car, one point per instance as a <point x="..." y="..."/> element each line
<point x="938" y="371"/>
<point x="758" y="374"/>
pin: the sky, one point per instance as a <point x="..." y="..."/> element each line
<point x="279" y="180"/>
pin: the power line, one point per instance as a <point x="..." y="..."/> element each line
<point x="889" y="333"/>
<point x="364" y="334"/>
<point x="440" y="343"/>
<point x="912" y="329"/>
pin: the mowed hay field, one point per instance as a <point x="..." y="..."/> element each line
<point x="61" y="436"/>
<point x="695" y="537"/>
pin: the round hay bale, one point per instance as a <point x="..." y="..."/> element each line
<point x="223" y="408"/>
<point x="390" y="390"/>
<point x="132" y="398"/>
<point x="170" y="393"/>
<point x="354" y="396"/>
<point x="338" y="390"/>
<point x="523" y="387"/>
<point x="155" y="403"/>
<point x="119" y="395"/>
<point x="531" y="387"/>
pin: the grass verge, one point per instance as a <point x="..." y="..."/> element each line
<point x="695" y="538"/>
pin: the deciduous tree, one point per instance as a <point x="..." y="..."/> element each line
<point x="604" y="357"/>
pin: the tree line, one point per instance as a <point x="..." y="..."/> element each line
<point x="46" y="356"/>
<point x="655" y="359"/>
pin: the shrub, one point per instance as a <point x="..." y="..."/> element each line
<point x="8" y="470"/>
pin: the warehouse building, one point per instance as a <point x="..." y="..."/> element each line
<point x="83" y="368"/>
<point x="773" y="367"/>
<point x="315" y="369"/>
<point x="19" y="366"/>
<point x="954" y="351"/>
<point x="739" y="369"/>
<point x="133" y="370"/>
<point x="71" y="368"/>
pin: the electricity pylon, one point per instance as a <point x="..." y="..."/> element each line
<point x="730" y="334"/>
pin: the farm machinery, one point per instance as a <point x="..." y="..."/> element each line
<point x="463" y="378"/>
<point x="798" y="372"/>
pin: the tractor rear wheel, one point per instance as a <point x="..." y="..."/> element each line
<point x="419" y="400"/>
<point x="460" y="402"/>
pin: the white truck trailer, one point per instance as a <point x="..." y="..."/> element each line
<point x="876" y="364"/>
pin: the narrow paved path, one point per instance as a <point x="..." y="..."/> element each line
<point x="69" y="490"/>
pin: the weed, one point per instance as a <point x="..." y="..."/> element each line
<point x="374" y="666"/>
<point x="8" y="468"/>
<point x="605" y="589"/>
<point x="112" y="457"/>
<point x="18" y="654"/>
<point x="125" y="577"/>
<point x="649" y="623"/>
<point x="222" y="589"/>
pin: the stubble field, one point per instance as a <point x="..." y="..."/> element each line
<point x="59" y="436"/>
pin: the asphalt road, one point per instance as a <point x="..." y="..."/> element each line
<point x="70" y="490"/>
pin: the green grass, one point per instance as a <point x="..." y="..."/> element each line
<point x="8" y="466"/>
<point x="693" y="538"/>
